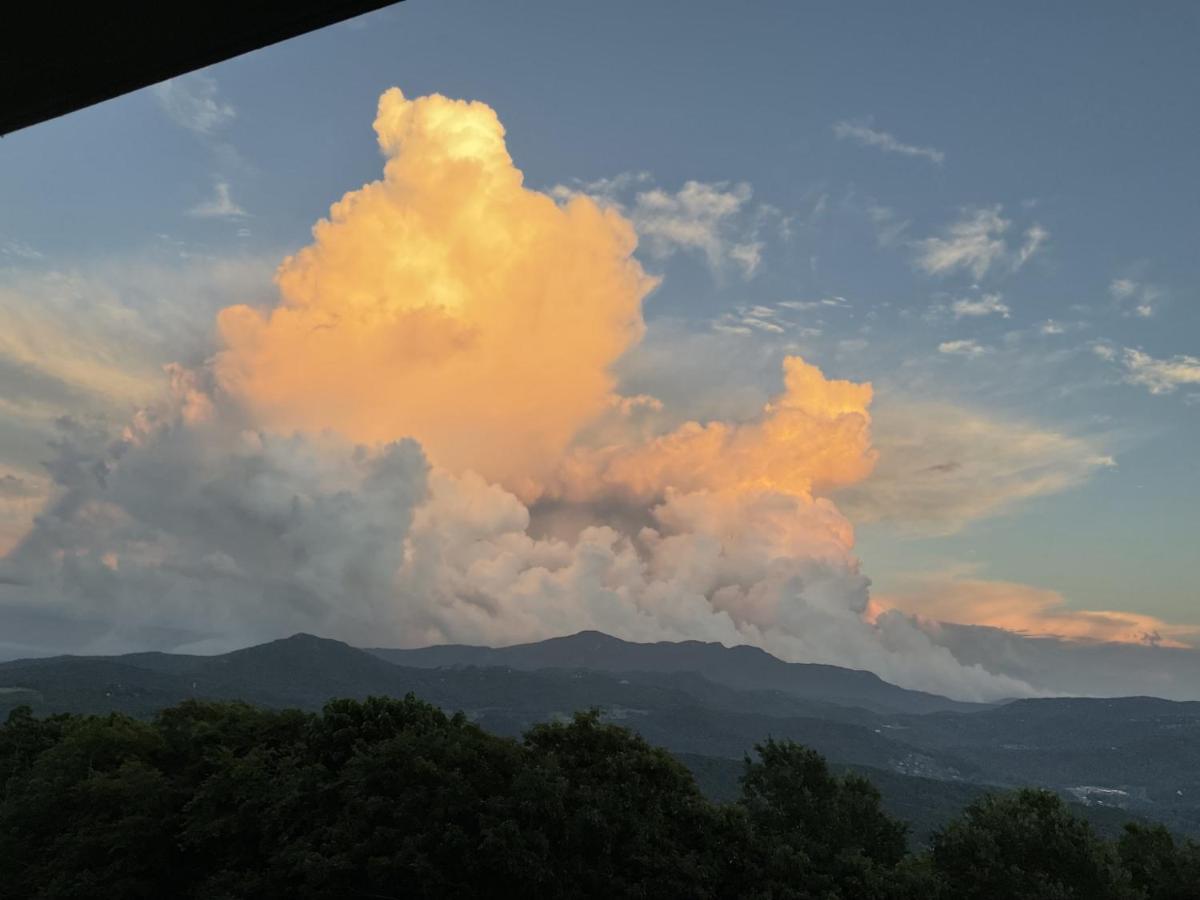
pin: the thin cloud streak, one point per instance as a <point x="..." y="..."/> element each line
<point x="869" y="137"/>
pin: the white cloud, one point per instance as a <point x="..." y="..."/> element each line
<point x="963" y="347"/>
<point x="987" y="305"/>
<point x="192" y="102"/>
<point x="1050" y="327"/>
<point x="1160" y="376"/>
<point x="714" y="219"/>
<point x="976" y="243"/>
<point x="220" y="206"/>
<point x="698" y="217"/>
<point x="870" y="137"/>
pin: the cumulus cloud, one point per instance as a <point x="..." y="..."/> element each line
<point x="977" y="244"/>
<point x="421" y="440"/>
<point x="942" y="466"/>
<point x="188" y="530"/>
<point x="862" y="133"/>
<point x="489" y="335"/>
<point x="809" y="439"/>
<point x="192" y="532"/>
<point x="193" y="102"/>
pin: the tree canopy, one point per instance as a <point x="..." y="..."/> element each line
<point x="393" y="798"/>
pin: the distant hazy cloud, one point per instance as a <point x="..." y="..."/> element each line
<point x="964" y="347"/>
<point x="93" y="341"/>
<point x="942" y="466"/>
<point x="1081" y="668"/>
<point x="986" y="305"/>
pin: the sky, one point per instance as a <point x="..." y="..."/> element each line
<point x="864" y="333"/>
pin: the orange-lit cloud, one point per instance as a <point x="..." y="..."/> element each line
<point x="1027" y="610"/>
<point x="813" y="437"/>
<point x="446" y="302"/>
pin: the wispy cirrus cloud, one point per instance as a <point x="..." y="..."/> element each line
<point x="220" y="205"/>
<point x="862" y="133"/>
<point x="944" y="465"/>
<point x="193" y="102"/>
<point x="977" y="243"/>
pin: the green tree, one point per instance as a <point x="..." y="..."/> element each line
<point x="1026" y="845"/>
<point x="818" y="834"/>
<point x="1162" y="869"/>
<point x="90" y="815"/>
<point x="622" y="818"/>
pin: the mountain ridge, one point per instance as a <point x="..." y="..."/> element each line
<point x="742" y="666"/>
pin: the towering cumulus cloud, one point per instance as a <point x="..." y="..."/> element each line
<point x="423" y="441"/>
<point x="446" y="301"/>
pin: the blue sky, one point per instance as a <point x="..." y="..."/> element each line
<point x="988" y="212"/>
